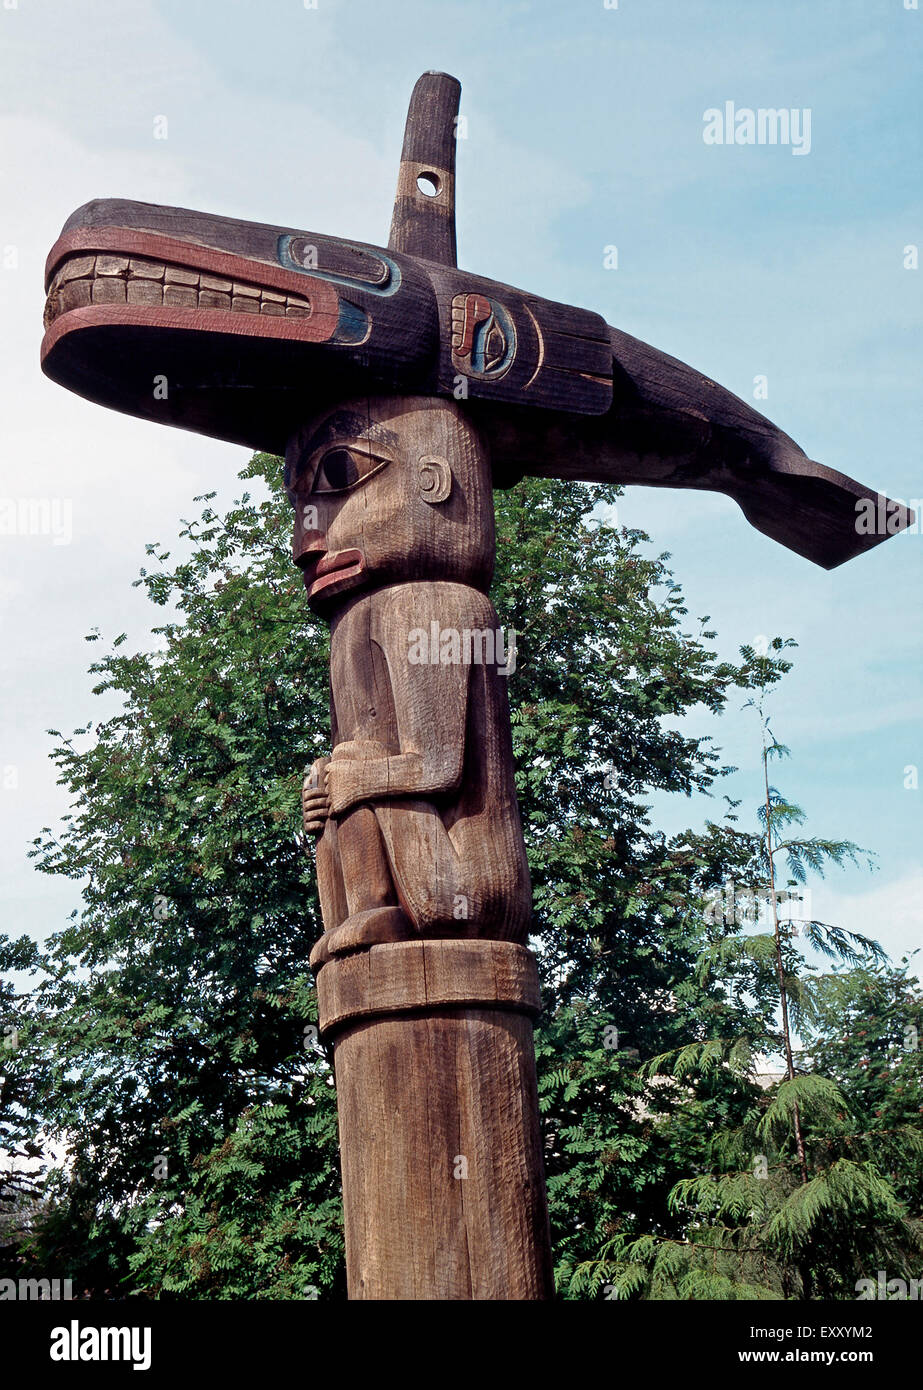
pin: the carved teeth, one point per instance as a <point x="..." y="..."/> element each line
<point x="109" y="279"/>
<point x="146" y="270"/>
<point x="144" y="292"/>
<point x="77" y="267"/>
<point x="74" y="295"/>
<point x="180" y="297"/>
<point x="106" y="291"/>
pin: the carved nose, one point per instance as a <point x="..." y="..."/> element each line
<point x="308" y="546"/>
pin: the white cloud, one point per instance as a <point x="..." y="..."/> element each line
<point x="891" y="913"/>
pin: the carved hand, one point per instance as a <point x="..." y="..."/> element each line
<point x="361" y="770"/>
<point x="346" y="774"/>
<point x="315" y="806"/>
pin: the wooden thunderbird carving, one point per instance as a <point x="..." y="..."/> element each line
<point x="401" y="390"/>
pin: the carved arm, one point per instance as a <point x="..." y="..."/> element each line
<point x="431" y="708"/>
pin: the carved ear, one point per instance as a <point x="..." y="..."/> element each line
<point x="434" y="479"/>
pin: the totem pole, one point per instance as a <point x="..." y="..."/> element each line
<point x="401" y="391"/>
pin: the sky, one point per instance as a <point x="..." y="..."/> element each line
<point x="584" y="130"/>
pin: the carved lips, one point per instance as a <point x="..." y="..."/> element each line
<point x="120" y="275"/>
<point x="328" y="573"/>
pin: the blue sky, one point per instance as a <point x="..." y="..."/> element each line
<point x="584" y="130"/>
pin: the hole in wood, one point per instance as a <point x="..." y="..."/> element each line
<point x="429" y="184"/>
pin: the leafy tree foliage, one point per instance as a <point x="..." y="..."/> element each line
<point x="176" y="1003"/>
<point x="794" y="1200"/>
<point x="866" y="1034"/>
<point x="170" y="1043"/>
<point x="19" y="1152"/>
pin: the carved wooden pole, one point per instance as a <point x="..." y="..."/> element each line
<point x="401" y="390"/>
<point x="425" y="985"/>
<point x="443" y="1187"/>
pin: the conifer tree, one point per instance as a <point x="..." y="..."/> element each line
<point x="796" y="1200"/>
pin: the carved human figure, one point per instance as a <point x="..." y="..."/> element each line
<point x="415" y="809"/>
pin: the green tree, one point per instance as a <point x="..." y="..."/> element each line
<point x="866" y="1034"/>
<point x="175" y="1003"/>
<point x="20" y="1185"/>
<point x="167" y="1043"/>
<point x="794" y="1200"/>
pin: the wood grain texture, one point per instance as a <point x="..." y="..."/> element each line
<point x="423" y="223"/>
<point x="427" y="975"/>
<point x="670" y="426"/>
<point x="424" y="982"/>
<point x="417" y="801"/>
<point x="443" y="1185"/>
<point x="524" y="350"/>
<point x="556" y="391"/>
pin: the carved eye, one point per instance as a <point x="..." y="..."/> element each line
<point x="341" y="468"/>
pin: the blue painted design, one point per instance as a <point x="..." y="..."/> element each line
<point x="494" y="344"/>
<point x="353" y="324"/>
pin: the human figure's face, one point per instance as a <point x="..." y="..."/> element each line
<point x="387" y="491"/>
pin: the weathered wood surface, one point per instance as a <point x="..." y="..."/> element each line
<point x="353" y="358"/>
<point x="443" y="1180"/>
<point x="424" y="982"/>
<point x="428" y="974"/>
<point x="417" y="802"/>
<point x="556" y="391"/>
<point x="423" y="221"/>
<point x="670" y="426"/>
